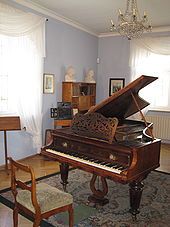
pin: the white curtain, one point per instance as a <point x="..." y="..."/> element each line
<point x="151" y="56"/>
<point x="22" y="49"/>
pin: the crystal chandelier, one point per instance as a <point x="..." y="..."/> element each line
<point x="130" y="24"/>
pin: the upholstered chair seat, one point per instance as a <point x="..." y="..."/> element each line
<point x="48" y="198"/>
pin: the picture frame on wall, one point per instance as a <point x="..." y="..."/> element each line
<point x="115" y="84"/>
<point x="48" y="83"/>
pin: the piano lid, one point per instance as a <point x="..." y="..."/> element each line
<point x="121" y="104"/>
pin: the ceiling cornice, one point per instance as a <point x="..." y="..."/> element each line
<point x="54" y="15"/>
<point x="154" y="30"/>
<point x="47" y="12"/>
<point x="161" y="29"/>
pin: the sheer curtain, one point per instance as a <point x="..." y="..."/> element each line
<point x="21" y="54"/>
<point x="151" y="56"/>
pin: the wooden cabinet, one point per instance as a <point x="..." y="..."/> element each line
<point x="82" y="95"/>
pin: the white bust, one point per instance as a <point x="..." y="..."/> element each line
<point x="89" y="78"/>
<point x="70" y="74"/>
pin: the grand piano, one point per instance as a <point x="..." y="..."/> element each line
<point x="107" y="143"/>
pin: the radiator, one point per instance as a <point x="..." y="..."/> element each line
<point x="161" y="126"/>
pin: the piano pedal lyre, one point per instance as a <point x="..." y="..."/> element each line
<point x="98" y="195"/>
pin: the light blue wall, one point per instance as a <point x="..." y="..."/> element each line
<point x="66" y="45"/>
<point x="113" y="53"/>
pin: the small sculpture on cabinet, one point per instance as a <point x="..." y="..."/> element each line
<point x="70" y="74"/>
<point x="89" y="78"/>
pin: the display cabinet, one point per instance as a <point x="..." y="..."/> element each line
<point x="81" y="95"/>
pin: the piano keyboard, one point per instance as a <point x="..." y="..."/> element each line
<point x="112" y="167"/>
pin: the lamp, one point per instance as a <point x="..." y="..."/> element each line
<point x="130" y="24"/>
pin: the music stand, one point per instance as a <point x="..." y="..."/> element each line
<point x="8" y="123"/>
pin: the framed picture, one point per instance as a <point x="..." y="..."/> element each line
<point x="48" y="83"/>
<point x="115" y="84"/>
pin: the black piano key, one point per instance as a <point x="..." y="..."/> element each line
<point x="112" y="165"/>
<point x="104" y="163"/>
<point x="97" y="161"/>
<point x="121" y="168"/>
<point x="74" y="154"/>
<point x="108" y="164"/>
<point x="86" y="158"/>
<point x="118" y="166"/>
<point x="92" y="159"/>
<point x="124" y="168"/>
<point x="81" y="156"/>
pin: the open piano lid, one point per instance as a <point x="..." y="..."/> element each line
<point x="121" y="104"/>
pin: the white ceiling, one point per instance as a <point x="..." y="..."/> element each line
<point x="94" y="15"/>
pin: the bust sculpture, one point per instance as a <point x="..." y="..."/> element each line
<point x="70" y="74"/>
<point x="89" y="78"/>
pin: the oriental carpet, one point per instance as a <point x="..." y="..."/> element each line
<point x="154" y="207"/>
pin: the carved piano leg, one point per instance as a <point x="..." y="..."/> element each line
<point x="64" y="167"/>
<point x="98" y="195"/>
<point x="135" y="190"/>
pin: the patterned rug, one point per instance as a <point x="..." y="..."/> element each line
<point x="154" y="208"/>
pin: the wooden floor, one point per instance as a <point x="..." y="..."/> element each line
<point x="43" y="167"/>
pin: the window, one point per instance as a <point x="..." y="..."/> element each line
<point x="157" y="93"/>
<point x="21" y="65"/>
<point x="148" y="61"/>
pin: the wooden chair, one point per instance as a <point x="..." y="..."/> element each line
<point x="38" y="200"/>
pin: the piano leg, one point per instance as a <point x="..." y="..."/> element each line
<point x="98" y="195"/>
<point x="135" y="190"/>
<point x="64" y="167"/>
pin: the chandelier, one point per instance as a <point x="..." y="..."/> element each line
<point x="130" y="24"/>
